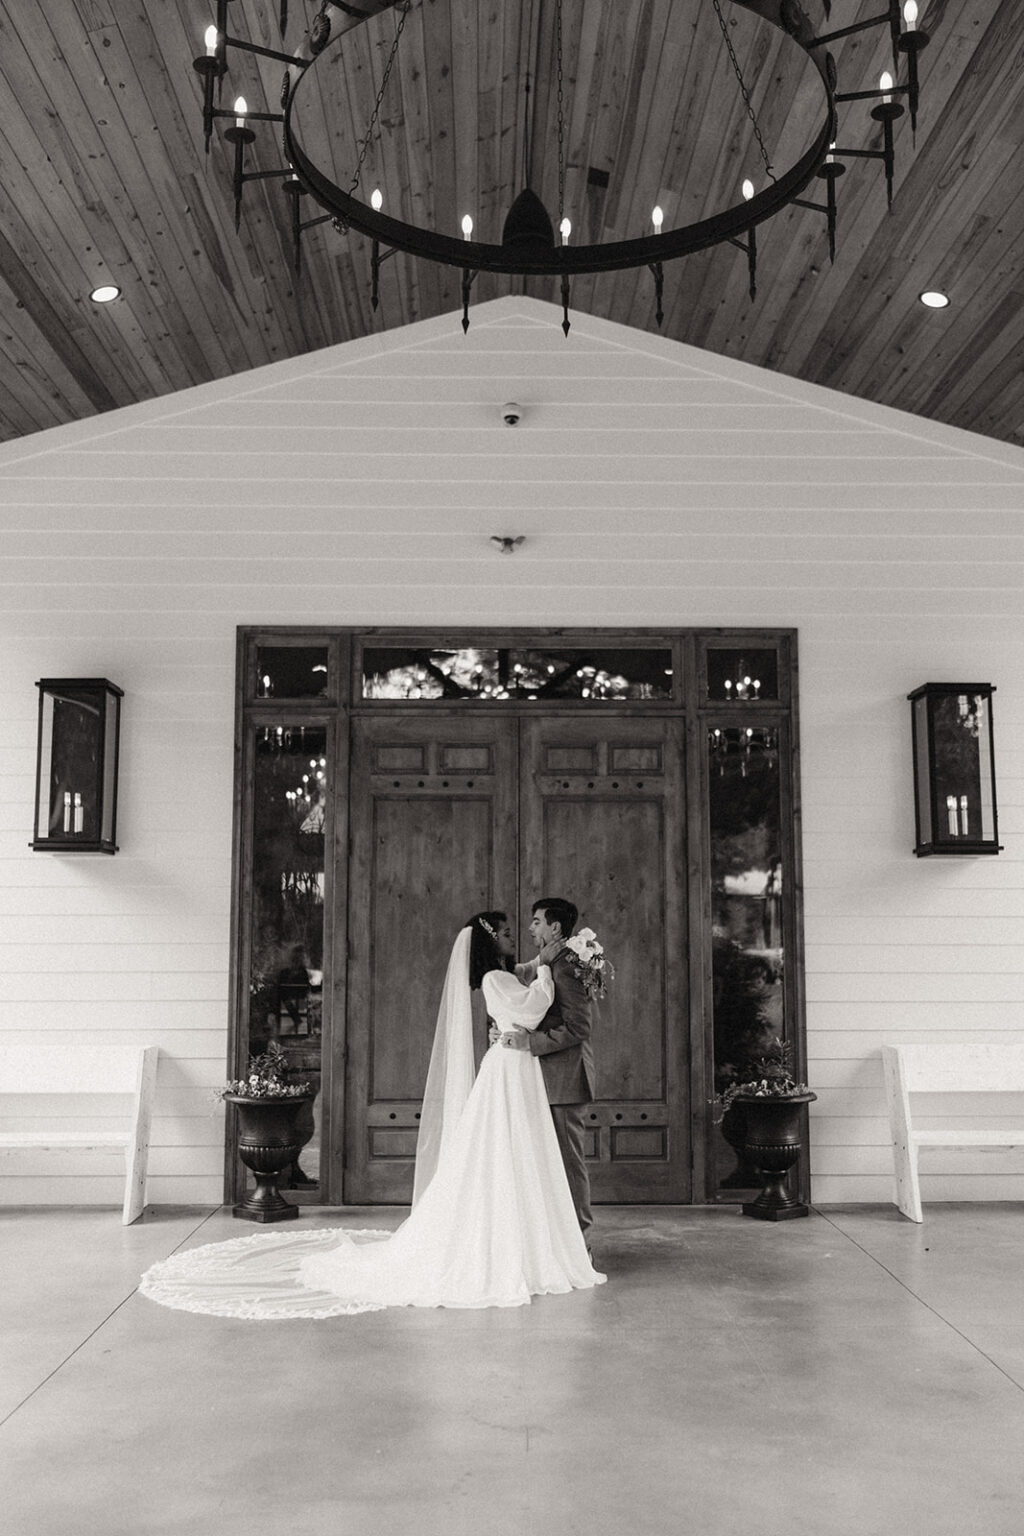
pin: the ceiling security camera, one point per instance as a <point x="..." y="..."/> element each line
<point x="511" y="413"/>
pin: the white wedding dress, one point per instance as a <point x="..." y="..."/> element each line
<point x="493" y="1226"/>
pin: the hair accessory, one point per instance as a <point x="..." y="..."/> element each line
<point x="485" y="925"/>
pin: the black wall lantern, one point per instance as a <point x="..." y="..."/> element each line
<point x="954" y="768"/>
<point x="76" y="765"/>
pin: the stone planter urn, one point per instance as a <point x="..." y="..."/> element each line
<point x="270" y="1138"/>
<point x="772" y="1142"/>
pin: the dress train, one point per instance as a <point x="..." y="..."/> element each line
<point x="494" y="1227"/>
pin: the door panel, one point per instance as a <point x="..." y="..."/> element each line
<point x="436" y="836"/>
<point x="433" y="840"/>
<point x="601" y="822"/>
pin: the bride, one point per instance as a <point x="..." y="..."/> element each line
<point x="492" y="1222"/>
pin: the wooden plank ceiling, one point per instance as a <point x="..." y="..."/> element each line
<point x="104" y="178"/>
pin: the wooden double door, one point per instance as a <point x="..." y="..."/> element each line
<point x="455" y="813"/>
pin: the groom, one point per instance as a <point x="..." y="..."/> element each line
<point x="562" y="1041"/>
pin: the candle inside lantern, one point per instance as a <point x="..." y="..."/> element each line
<point x="951" y="814"/>
<point x="964" y="825"/>
<point x="241" y="108"/>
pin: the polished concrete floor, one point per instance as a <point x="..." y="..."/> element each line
<point x="847" y="1375"/>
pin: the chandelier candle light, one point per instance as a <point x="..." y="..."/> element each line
<point x="528" y="246"/>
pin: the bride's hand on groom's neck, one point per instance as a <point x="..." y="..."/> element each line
<point x="550" y="951"/>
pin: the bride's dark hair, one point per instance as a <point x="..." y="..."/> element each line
<point x="484" y="954"/>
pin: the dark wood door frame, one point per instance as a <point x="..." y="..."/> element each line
<point x="341" y="698"/>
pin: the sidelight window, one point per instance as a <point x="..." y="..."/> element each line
<point x="290" y="812"/>
<point x="748" y="953"/>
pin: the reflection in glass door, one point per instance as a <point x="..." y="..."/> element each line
<point x="290" y="812"/>
<point x="747" y="944"/>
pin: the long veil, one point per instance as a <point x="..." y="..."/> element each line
<point x="451" y="1071"/>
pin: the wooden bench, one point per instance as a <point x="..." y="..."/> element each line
<point x="134" y="1075"/>
<point x="944" y="1069"/>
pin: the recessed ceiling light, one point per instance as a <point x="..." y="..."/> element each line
<point x="934" y="300"/>
<point x="105" y="294"/>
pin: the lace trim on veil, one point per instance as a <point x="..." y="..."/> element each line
<point x="256" y="1277"/>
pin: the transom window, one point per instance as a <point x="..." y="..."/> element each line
<point x="538" y="672"/>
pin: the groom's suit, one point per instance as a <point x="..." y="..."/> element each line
<point x="562" y="1042"/>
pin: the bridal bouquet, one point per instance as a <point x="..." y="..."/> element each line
<point x="592" y="966"/>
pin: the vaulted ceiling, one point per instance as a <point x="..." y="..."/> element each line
<point x="103" y="177"/>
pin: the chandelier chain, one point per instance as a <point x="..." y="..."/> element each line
<point x="561" y="114"/>
<point x="743" y="88"/>
<point x="364" y="143"/>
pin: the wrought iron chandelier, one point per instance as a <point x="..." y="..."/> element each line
<point x="529" y="246"/>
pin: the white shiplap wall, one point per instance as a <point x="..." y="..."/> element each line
<point x="655" y="485"/>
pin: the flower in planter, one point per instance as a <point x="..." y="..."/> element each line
<point x="771" y="1078"/>
<point x="266" y="1078"/>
